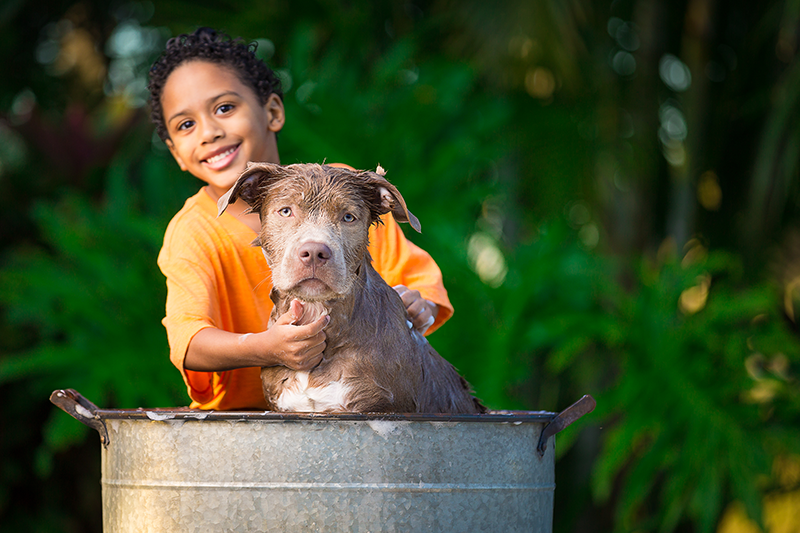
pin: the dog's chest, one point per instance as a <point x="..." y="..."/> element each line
<point x="299" y="394"/>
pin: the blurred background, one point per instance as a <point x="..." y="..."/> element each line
<point x="610" y="188"/>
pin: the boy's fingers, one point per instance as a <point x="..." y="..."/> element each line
<point x="417" y="308"/>
<point x="408" y="296"/>
<point x="411" y="298"/>
<point x="311" y="355"/>
<point x="311" y="330"/>
<point x="319" y="324"/>
<point x="401" y="289"/>
<point x="423" y="314"/>
<point x="420" y="311"/>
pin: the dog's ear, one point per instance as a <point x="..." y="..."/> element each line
<point x="250" y="186"/>
<point x="388" y="199"/>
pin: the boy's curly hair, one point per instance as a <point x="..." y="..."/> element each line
<point x="209" y="45"/>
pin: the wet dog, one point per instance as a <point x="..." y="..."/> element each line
<point x="315" y="222"/>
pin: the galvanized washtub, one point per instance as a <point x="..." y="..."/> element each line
<point x="201" y="471"/>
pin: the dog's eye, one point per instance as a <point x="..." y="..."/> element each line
<point x="285" y="212"/>
<point x="349" y="217"/>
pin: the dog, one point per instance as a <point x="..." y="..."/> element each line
<point x="315" y="221"/>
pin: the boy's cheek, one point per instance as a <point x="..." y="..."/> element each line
<point x="175" y="155"/>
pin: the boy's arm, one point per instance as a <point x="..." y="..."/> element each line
<point x="193" y="315"/>
<point x="284" y="344"/>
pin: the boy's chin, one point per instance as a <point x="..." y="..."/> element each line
<point x="217" y="190"/>
<point x="221" y="185"/>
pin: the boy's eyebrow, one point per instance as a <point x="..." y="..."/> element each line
<point x="208" y="101"/>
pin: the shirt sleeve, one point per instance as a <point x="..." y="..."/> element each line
<point x="401" y="262"/>
<point x="189" y="306"/>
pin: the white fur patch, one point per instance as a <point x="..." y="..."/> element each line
<point x="298" y="396"/>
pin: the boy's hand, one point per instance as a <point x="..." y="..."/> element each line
<point x="298" y="347"/>
<point x="421" y="312"/>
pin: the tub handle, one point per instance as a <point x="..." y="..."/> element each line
<point x="563" y="419"/>
<point x="74" y="404"/>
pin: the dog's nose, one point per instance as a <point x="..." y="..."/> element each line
<point x="314" y="254"/>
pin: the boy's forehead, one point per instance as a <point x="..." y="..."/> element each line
<point x="200" y="80"/>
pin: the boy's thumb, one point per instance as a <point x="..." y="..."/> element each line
<point x="293" y="315"/>
<point x="296" y="311"/>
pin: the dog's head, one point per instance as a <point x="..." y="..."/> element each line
<point x="314" y="222"/>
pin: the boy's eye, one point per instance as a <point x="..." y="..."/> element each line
<point x="186" y="124"/>
<point x="224" y="108"/>
<point x="285" y="212"/>
<point x="349" y="218"/>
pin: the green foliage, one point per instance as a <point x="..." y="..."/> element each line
<point x="93" y="298"/>
<point x="550" y="310"/>
<point x="688" y="428"/>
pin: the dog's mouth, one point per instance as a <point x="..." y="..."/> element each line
<point x="313" y="288"/>
<point x="312" y="282"/>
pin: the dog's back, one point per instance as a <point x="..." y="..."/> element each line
<point x="315" y="224"/>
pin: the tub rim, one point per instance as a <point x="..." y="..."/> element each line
<point x="76" y="405"/>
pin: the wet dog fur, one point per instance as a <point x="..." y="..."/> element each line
<point x="314" y="234"/>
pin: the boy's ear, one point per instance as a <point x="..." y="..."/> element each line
<point x="275" y="113"/>
<point x="388" y="199"/>
<point x="175" y="154"/>
<point x="251" y="186"/>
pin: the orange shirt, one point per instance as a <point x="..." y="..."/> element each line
<point x="217" y="278"/>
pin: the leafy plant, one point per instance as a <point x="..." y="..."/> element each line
<point x="691" y="424"/>
<point x="93" y="297"/>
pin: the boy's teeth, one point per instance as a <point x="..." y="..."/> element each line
<point x="218" y="157"/>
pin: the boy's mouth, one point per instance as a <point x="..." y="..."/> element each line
<point x="222" y="159"/>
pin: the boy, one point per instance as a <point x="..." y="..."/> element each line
<point x="217" y="106"/>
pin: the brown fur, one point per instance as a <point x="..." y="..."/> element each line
<point x="385" y="365"/>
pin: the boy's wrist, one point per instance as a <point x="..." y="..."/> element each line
<point x="259" y="349"/>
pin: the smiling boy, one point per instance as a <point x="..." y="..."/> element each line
<point x="218" y="107"/>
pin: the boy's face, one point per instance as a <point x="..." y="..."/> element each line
<point x="217" y="124"/>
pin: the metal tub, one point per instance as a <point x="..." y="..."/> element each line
<point x="187" y="470"/>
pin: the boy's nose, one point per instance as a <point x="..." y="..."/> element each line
<point x="212" y="131"/>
